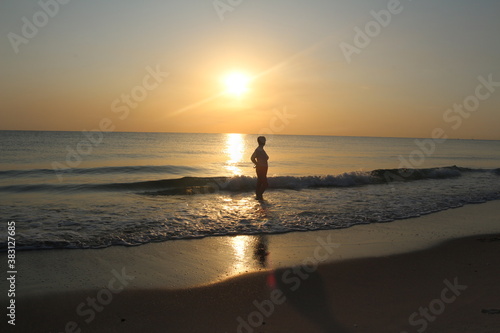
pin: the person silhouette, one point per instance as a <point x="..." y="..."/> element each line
<point x="259" y="159"/>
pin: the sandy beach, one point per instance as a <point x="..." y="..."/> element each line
<point x="403" y="276"/>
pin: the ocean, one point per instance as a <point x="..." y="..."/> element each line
<point x="94" y="190"/>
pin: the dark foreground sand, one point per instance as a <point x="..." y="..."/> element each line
<point x="452" y="287"/>
<point x="456" y="282"/>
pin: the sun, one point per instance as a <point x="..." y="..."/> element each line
<point x="236" y="83"/>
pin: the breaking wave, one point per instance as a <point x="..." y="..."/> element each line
<point x="202" y="185"/>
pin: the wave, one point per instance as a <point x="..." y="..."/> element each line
<point x="204" y="185"/>
<point x="171" y="169"/>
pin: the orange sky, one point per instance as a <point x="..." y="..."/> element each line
<point x="170" y="58"/>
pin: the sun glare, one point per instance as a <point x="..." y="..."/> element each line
<point x="236" y="83"/>
<point x="235" y="148"/>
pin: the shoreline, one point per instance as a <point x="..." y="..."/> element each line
<point x="367" y="278"/>
<point x="193" y="262"/>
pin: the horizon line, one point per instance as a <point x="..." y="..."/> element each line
<point x="284" y="134"/>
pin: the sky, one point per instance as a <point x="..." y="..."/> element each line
<point x="388" y="68"/>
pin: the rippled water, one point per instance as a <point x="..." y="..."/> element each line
<point x="133" y="188"/>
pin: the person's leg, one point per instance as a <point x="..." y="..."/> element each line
<point x="258" y="186"/>
<point x="261" y="181"/>
<point x="264" y="184"/>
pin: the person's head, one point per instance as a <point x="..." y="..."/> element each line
<point x="261" y="140"/>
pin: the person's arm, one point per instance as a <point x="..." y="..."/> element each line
<point x="254" y="157"/>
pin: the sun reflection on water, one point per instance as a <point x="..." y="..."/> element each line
<point x="247" y="253"/>
<point x="250" y="253"/>
<point x="241" y="246"/>
<point x="235" y="148"/>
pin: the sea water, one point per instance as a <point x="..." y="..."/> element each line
<point x="93" y="189"/>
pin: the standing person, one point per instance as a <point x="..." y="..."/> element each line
<point x="259" y="159"/>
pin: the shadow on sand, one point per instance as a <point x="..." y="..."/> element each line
<point x="307" y="294"/>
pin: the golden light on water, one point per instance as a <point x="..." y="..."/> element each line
<point x="235" y="149"/>
<point x="242" y="258"/>
<point x="240" y="245"/>
<point x="249" y="252"/>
